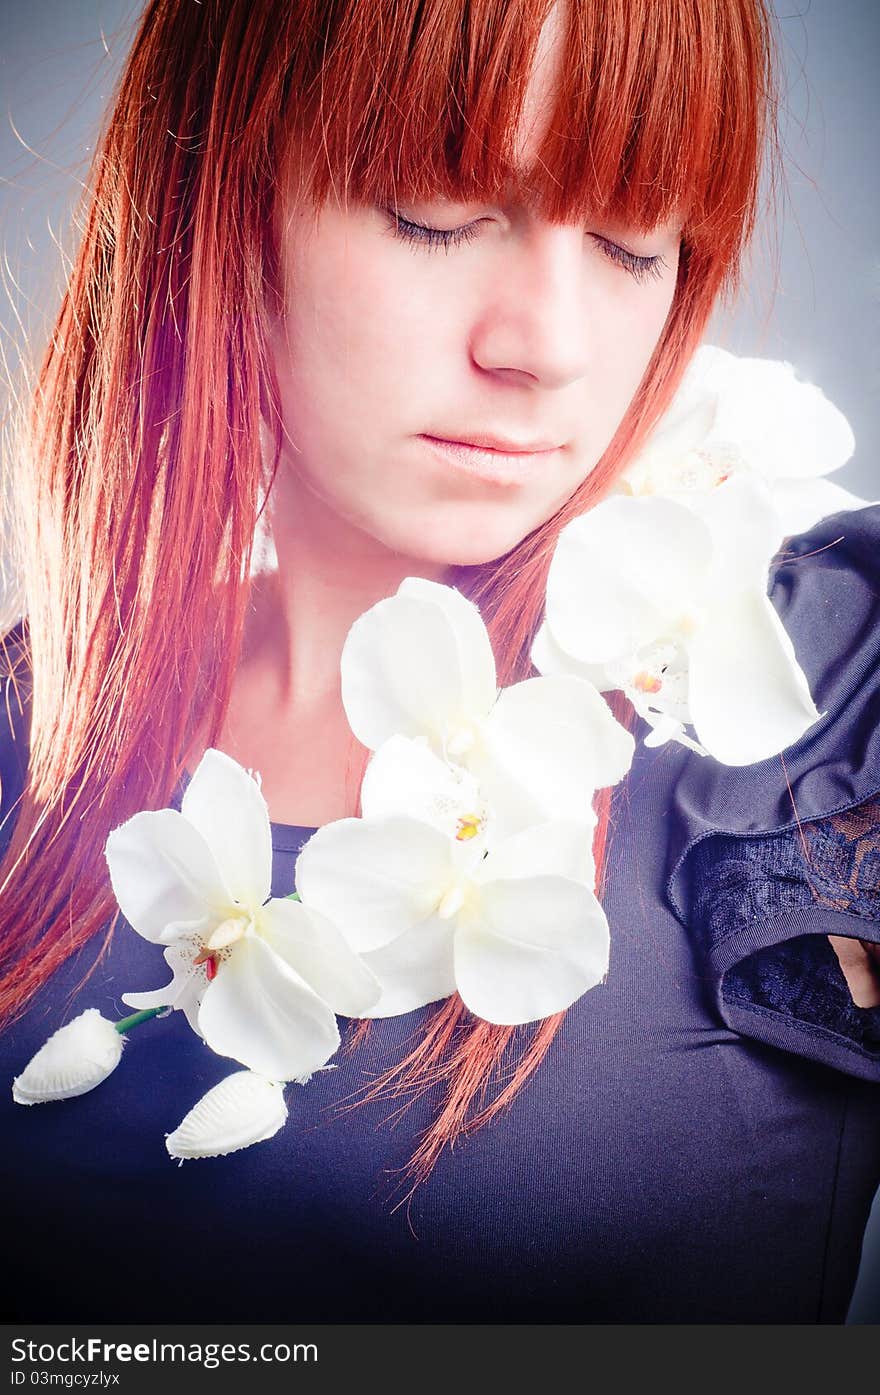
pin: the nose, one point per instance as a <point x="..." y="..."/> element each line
<point x="534" y="326"/>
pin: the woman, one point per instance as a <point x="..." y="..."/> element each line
<point x="321" y="243"/>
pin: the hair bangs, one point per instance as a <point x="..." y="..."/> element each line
<point x="657" y="112"/>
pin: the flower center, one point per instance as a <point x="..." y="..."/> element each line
<point x="216" y="947"/>
<point x="656" y="678"/>
<point x="227" y="932"/>
<point x="698" y="471"/>
<point x="468" y="826"/>
<point x="459" y="740"/>
<point x="687" y="624"/>
<point x="647" y="682"/>
<point x="451" y="903"/>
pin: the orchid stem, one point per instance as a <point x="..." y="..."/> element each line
<point x="137" y="1018"/>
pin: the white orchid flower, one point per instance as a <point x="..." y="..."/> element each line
<point x="420" y="664"/>
<point x="516" y="930"/>
<point x="259" y="979"/>
<point x="670" y="604"/>
<point x="736" y="416"/>
<point x="76" y="1058"/>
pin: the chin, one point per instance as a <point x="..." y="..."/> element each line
<point x="465" y="545"/>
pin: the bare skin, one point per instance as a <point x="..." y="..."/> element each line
<point x="860" y="965"/>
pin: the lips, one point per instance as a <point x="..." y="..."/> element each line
<point x="505" y="467"/>
<point x="488" y="441"/>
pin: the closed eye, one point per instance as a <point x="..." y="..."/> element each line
<point x="431" y="237"/>
<point x="641" y="268"/>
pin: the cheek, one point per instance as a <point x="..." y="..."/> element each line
<point x="630" y="333"/>
<point x="362" y="318"/>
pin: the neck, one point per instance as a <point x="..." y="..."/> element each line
<point x="329" y="573"/>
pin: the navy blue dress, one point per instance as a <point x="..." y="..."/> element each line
<point x="700" y="1144"/>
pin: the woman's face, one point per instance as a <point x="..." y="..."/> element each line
<point x="501" y="326"/>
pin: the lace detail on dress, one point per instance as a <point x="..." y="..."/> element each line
<point x="745" y="884"/>
<point x="846" y="848"/>
<point x="844" y="853"/>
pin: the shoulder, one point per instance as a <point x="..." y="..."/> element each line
<point x="766" y="862"/>
<point x="826" y="588"/>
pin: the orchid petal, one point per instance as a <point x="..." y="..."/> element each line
<point x="186" y="989"/>
<point x="620" y="572"/>
<point x="163" y="873"/>
<point x="415" y="663"/>
<point x="313" y="947"/>
<point x="225" y="804"/>
<point x="746" y="532"/>
<point x="259" y="1011"/>
<point x="415" y="969"/>
<point x="561" y="848"/>
<point x="665" y="728"/>
<point x="551" y="660"/>
<point x="801" y="504"/>
<point x="537" y="946"/>
<point x="374" y="878"/>
<point x="475" y="647"/>
<point x="548" y="744"/>
<point x="156" y="997"/>
<point x="749" y="697"/>
<point x="785" y="427"/>
<point x="681" y="430"/>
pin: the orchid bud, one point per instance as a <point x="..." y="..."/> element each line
<point x="73" y="1061"/>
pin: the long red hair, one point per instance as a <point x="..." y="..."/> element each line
<point x="140" y="479"/>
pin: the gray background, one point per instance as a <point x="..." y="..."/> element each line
<point x="810" y="294"/>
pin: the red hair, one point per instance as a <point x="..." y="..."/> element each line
<point x="141" y="481"/>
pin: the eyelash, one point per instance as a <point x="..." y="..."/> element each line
<point x="641" y="268"/>
<point x="432" y="237"/>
